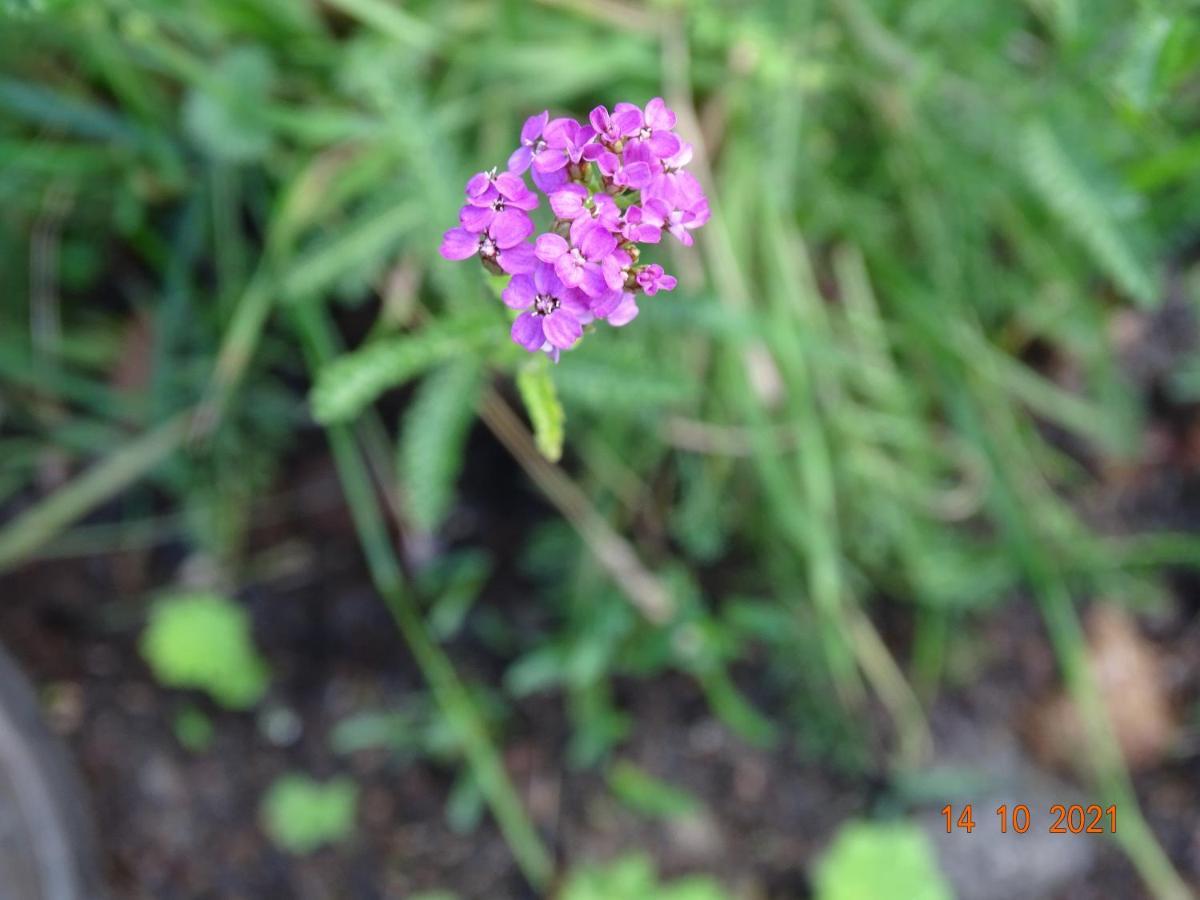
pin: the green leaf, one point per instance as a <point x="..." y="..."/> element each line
<point x="193" y="729"/>
<point x="633" y="877"/>
<point x="545" y="410"/>
<point x="351" y="382"/>
<point x="431" y="441"/>
<point x="300" y="814"/>
<point x="202" y="640"/>
<point x="647" y="795"/>
<point x="1137" y="74"/>
<point x="870" y="860"/>
<point x="226" y="121"/>
<point x="1083" y="211"/>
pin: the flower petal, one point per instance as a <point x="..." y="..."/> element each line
<point x="561" y="328"/>
<point x="550" y="160"/>
<point x="577" y="304"/>
<point x="533" y="127"/>
<point x="458" y="243"/>
<point x="637" y="175"/>
<point x="510" y="185"/>
<point x="520" y="292"/>
<point x="510" y="227"/>
<point x="550" y="246"/>
<point x="476" y="218"/>
<point x="625" y="312"/>
<point x="659" y="115"/>
<point x="682" y="234"/>
<point x="600" y="119"/>
<point x="592" y="152"/>
<point x="664" y="144"/>
<point x="568" y="203"/>
<point x="560" y="132"/>
<point x="627" y="120"/>
<point x="603" y="306"/>
<point x="525" y="200"/>
<point x="614" y="276"/>
<point x="545" y="281"/>
<point x="597" y="243"/>
<point x="520" y="160"/>
<point x="527" y="332"/>
<point x="518" y="260"/>
<point x="591" y="280"/>
<point x="569" y="270"/>
<point x="549" y="182"/>
<point x="479" y="184"/>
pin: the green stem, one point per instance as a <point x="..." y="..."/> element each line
<point x="451" y="695"/>
<point x="105" y="480"/>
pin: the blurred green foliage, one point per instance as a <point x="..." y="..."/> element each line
<point x="301" y="815"/>
<point x="203" y="640"/>
<point x="869" y="860"/>
<point x="633" y="878"/>
<point x="839" y="408"/>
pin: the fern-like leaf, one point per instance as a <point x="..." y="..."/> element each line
<point x="431" y="442"/>
<point x="1083" y="211"/>
<point x="350" y="383"/>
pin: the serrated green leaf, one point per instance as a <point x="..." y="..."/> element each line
<point x="351" y="382"/>
<point x="1082" y="211"/>
<point x="431" y="441"/>
<point x="545" y="411"/>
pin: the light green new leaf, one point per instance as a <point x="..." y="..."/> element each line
<point x="545" y="410"/>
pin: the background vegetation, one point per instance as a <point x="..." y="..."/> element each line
<point x="862" y="423"/>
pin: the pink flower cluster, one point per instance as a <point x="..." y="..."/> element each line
<point x="613" y="184"/>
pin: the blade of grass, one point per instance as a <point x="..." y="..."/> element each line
<point x="102" y="482"/>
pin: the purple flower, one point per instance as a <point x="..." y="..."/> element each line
<point x="668" y="180"/>
<point x="632" y="169"/>
<point x="603" y="213"/>
<point x="652" y="279"/>
<point x="570" y="201"/>
<point x="643" y="224"/>
<point x="554" y="313"/>
<point x="500" y="244"/>
<point x="532" y="143"/>
<point x="614" y="183"/>
<point x="617" y="270"/>
<point x="654" y="130"/>
<point x="507" y="196"/>
<point x="482" y="185"/>
<point x="625" y="120"/>
<point x="577" y="265"/>
<point x="688" y="207"/>
<point x="564" y="142"/>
